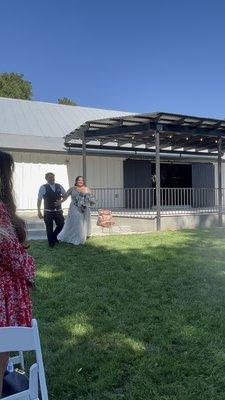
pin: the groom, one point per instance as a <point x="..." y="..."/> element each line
<point x="51" y="192"/>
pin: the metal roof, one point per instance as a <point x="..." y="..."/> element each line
<point x="177" y="132"/>
<point x="32" y="125"/>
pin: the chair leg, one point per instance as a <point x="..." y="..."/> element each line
<point x="3" y="364"/>
<point x="33" y="382"/>
<point x="21" y="360"/>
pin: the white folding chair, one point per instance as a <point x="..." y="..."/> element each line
<point x="26" y="339"/>
<point x="19" y="359"/>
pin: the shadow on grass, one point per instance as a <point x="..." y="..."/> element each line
<point x="134" y="317"/>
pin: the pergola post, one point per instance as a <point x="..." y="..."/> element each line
<point x="84" y="158"/>
<point x="219" y="146"/>
<point x="158" y="183"/>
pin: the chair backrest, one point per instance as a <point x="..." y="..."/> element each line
<point x="25" y="339"/>
<point x="32" y="392"/>
<point x="19" y="359"/>
<point x="16" y="339"/>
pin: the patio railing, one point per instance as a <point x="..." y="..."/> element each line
<point x="142" y="201"/>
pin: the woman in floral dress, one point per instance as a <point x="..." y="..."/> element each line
<point x="77" y="227"/>
<point x="17" y="268"/>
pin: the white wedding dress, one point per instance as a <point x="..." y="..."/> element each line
<point x="78" y="222"/>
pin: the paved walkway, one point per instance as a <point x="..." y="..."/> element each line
<point x="123" y="225"/>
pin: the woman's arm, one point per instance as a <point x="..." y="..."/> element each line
<point x="90" y="196"/>
<point x="68" y="193"/>
<point x="13" y="257"/>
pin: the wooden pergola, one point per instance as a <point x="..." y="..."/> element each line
<point x="158" y="132"/>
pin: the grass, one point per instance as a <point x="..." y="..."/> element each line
<point x="134" y="317"/>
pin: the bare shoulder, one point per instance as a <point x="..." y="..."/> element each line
<point x="87" y="189"/>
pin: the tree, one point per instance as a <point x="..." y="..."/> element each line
<point x="14" y="86"/>
<point x="66" y="101"/>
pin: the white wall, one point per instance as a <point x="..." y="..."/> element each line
<point x="102" y="172"/>
<point x="30" y="169"/>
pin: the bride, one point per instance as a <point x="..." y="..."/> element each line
<point x="77" y="227"/>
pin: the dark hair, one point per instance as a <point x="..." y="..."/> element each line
<point x="49" y="173"/>
<point x="6" y="194"/>
<point x="79" y="177"/>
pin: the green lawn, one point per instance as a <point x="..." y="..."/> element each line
<point x="134" y="317"/>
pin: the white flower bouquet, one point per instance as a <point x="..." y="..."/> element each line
<point x="84" y="200"/>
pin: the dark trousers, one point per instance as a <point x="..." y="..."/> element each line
<point x="49" y="218"/>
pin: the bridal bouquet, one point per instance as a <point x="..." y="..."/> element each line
<point x="84" y="200"/>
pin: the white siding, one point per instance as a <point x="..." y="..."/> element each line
<point x="30" y="169"/>
<point x="102" y="172"/>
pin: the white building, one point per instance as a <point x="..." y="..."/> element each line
<point x="33" y="133"/>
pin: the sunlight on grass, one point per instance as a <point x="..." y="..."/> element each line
<point x="138" y="317"/>
<point x="220" y="356"/>
<point x="47" y="274"/>
<point x="189" y="331"/>
<point x="221" y="273"/>
<point x="77" y="325"/>
<point x="121" y="341"/>
<point x="80" y="329"/>
<point x="134" y="344"/>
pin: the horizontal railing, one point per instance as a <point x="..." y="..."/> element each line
<point x="173" y="200"/>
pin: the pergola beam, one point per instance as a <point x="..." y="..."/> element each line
<point x="103" y="142"/>
<point x="117" y="131"/>
<point x="143" y="150"/>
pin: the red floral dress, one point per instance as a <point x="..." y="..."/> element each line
<point x="17" y="271"/>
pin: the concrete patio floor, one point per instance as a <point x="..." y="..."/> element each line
<point x="130" y="223"/>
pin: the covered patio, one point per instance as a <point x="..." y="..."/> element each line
<point x="158" y="136"/>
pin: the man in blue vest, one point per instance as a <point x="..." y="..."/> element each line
<point x="51" y="192"/>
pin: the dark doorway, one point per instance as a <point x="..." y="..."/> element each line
<point x="174" y="175"/>
<point x="203" y="183"/>
<point x="197" y="178"/>
<point x="137" y="174"/>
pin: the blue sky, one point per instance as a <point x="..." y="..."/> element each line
<point x="128" y="55"/>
